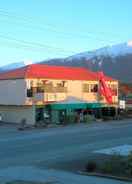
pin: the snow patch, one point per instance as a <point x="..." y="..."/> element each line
<point x="28" y="62"/>
<point x="123" y="150"/>
<point x="108" y="51"/>
<point x="100" y="63"/>
<point x="129" y="43"/>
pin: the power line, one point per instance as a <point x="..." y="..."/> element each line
<point x="34" y="46"/>
<point x="40" y="46"/>
<point x="34" y="43"/>
<point x="49" y="27"/>
<point x="29" y="49"/>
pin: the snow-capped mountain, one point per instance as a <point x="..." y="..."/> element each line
<point x="12" y="66"/>
<point x="15" y="65"/>
<point x="115" y="61"/>
<point x="111" y="51"/>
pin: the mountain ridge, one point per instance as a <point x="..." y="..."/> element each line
<point x="115" y="61"/>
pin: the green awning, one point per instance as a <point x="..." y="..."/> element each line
<point x="94" y="105"/>
<point x="66" y="106"/>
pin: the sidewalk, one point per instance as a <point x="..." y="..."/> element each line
<point x="51" y="176"/>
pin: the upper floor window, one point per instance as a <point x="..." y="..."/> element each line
<point x="114" y="88"/>
<point x="90" y="88"/>
<point x="29" y="93"/>
<point x="86" y="88"/>
<point x="61" y="84"/>
<point x="40" y="87"/>
<point x="94" y="88"/>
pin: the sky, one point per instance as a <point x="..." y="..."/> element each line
<point x="36" y="30"/>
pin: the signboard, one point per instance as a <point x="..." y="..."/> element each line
<point x="122" y="104"/>
<point x="129" y="101"/>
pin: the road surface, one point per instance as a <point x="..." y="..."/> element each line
<point x="64" y="148"/>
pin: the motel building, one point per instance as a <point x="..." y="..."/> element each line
<point x="51" y="93"/>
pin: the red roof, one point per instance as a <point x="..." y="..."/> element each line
<point x="51" y="72"/>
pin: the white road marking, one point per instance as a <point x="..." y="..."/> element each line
<point x="123" y="150"/>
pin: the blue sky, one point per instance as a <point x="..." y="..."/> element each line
<point x="41" y="29"/>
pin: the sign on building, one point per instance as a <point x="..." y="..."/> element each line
<point x="122" y="104"/>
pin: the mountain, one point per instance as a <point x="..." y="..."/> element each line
<point x="14" y="66"/>
<point x="112" y="51"/>
<point x="56" y="61"/>
<point x="115" y="61"/>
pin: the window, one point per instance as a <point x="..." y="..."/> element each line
<point x="94" y="88"/>
<point x="29" y="93"/>
<point x="114" y="89"/>
<point x="40" y="89"/>
<point x="86" y="88"/>
<point x="63" y="83"/>
<point x="59" y="84"/>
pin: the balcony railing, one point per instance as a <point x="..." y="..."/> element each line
<point x="49" y="89"/>
<point x="46" y="89"/>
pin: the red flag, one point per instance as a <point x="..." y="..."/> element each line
<point x="104" y="89"/>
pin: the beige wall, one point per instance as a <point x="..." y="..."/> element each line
<point x="14" y="114"/>
<point x="74" y="89"/>
<point x="12" y="92"/>
<point x="55" y="97"/>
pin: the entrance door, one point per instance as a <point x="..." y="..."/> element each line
<point x="39" y="114"/>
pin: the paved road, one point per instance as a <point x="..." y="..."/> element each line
<point x="60" y="148"/>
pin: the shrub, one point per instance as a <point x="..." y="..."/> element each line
<point x="88" y="118"/>
<point x="129" y="164"/>
<point x="129" y="159"/>
<point x="115" y="165"/>
<point x="91" y="166"/>
<point x="70" y="118"/>
<point x="107" y="167"/>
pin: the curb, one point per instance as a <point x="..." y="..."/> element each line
<point x="105" y="176"/>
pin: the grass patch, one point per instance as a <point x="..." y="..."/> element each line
<point x="114" y="165"/>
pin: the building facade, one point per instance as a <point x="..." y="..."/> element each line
<point x="37" y="92"/>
